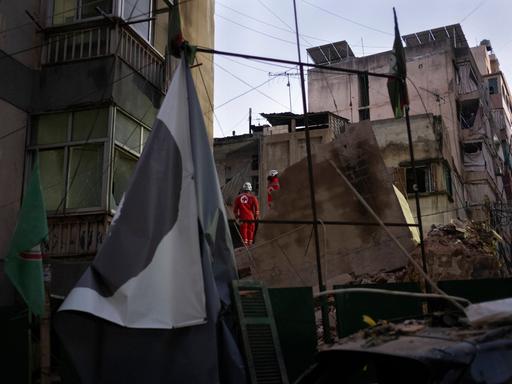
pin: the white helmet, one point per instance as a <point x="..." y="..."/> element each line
<point x="247" y="186"/>
<point x="273" y="173"/>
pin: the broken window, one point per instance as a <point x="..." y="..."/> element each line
<point x="493" y="86"/>
<point x="255" y="164"/>
<point x="424" y="175"/>
<point x="468" y="79"/>
<point x="474" y="156"/>
<point x="448" y="179"/>
<point x="468" y="111"/>
<point x="470" y="148"/>
<point x="364" y="97"/>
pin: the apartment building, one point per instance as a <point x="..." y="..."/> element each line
<point x="458" y="119"/>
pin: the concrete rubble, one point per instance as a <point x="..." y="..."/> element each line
<point x="461" y="250"/>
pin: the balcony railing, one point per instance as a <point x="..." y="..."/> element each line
<point x="76" y="235"/>
<point x="114" y="39"/>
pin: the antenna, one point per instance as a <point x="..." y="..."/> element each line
<point x="287" y="74"/>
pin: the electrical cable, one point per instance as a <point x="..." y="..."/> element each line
<point x="256" y="31"/>
<point x="269" y="24"/>
<point x="346" y="18"/>
<point x="473" y="10"/>
<point x="291" y="30"/>
<point x="209" y="100"/>
<point x="249" y="66"/>
<point x="252" y="87"/>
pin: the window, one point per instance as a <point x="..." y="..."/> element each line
<point x="135" y="10"/>
<point x="424" y="175"/>
<point x="493" y="86"/>
<point x="130" y="136"/>
<point x="71" y="150"/>
<point x="124" y="165"/>
<point x="255" y="182"/>
<point x="69" y="11"/>
<point x="364" y="97"/>
<point x="448" y="179"/>
<point x="255" y="164"/>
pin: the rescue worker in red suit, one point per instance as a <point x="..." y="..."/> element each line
<point x="272" y="185"/>
<point x="246" y="207"/>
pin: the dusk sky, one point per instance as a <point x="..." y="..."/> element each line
<point x="267" y="28"/>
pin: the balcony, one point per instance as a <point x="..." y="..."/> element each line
<point x="72" y="236"/>
<point x="105" y="38"/>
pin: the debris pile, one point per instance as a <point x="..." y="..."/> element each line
<point x="461" y="250"/>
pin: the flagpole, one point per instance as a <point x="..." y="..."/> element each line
<point x="29" y="352"/>
<point x="321" y="286"/>
<point x="416" y="193"/>
<point x="44" y="341"/>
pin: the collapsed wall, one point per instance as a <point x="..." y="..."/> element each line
<point x="284" y="255"/>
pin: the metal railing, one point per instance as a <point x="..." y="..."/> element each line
<point x="114" y="39"/>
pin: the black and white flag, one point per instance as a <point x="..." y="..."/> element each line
<point x="152" y="306"/>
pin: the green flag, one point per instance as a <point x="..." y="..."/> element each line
<point x="23" y="263"/>
<point x="177" y="42"/>
<point x="397" y="87"/>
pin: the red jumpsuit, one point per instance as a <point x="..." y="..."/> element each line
<point x="246" y="207"/>
<point x="273" y="185"/>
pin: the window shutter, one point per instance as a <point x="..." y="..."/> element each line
<point x="259" y="334"/>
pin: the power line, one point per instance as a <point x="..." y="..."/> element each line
<point x="255" y="88"/>
<point x="473" y="10"/>
<point x="291" y="30"/>
<point x="346" y="18"/>
<point x="277" y="16"/>
<point x="210" y="101"/>
<point x="249" y="66"/>
<point x="257" y="31"/>
<point x="269" y="24"/>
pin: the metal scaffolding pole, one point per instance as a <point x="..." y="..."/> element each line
<point x="321" y="286"/>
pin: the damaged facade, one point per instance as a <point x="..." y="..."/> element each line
<point x="459" y="106"/>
